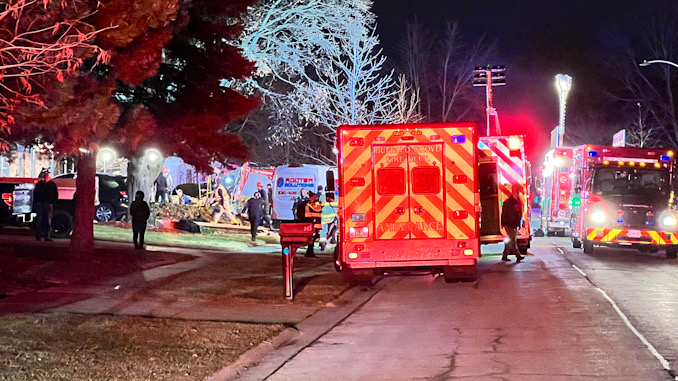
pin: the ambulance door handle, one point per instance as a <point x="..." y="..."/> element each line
<point x="400" y="211"/>
<point x="418" y="210"/>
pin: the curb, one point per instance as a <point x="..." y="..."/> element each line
<point x="294" y="339"/>
<point x="152" y="265"/>
<point x="254" y="355"/>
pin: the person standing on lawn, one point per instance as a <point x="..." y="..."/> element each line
<point x="255" y="212"/>
<point x="140" y="212"/>
<point x="45" y="194"/>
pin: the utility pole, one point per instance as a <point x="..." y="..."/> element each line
<point x="488" y="76"/>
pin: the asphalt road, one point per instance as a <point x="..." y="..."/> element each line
<point x="608" y="318"/>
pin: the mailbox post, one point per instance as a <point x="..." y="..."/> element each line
<point x="292" y="236"/>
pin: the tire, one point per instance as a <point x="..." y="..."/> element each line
<point x="104" y="212"/>
<point x="459" y="273"/>
<point x="576" y="243"/>
<point x="62" y="224"/>
<point x="588" y="247"/>
<point x="672" y="252"/>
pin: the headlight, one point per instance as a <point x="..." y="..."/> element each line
<point x="669" y="221"/>
<point x="598" y="216"/>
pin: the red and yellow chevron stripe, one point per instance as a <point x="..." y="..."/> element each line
<point x="511" y="170"/>
<point x="631" y="236"/>
<point x="404" y="183"/>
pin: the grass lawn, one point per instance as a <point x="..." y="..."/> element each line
<point x="227" y="241"/>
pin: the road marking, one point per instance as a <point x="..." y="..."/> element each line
<point x="580" y="272"/>
<point x="626" y="320"/>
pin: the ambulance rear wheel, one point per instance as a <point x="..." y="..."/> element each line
<point x="672" y="252"/>
<point x="459" y="273"/>
<point x="576" y="242"/>
<point x="588" y="247"/>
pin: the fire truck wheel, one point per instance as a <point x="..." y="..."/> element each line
<point x="459" y="273"/>
<point x="576" y="243"/>
<point x="588" y="247"/>
<point x="335" y="257"/>
<point x="62" y="224"/>
<point x="672" y="252"/>
<point x="360" y="277"/>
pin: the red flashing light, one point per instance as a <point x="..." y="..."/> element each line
<point x="460" y="214"/>
<point x="357" y="182"/>
<point x="434" y="137"/>
<point x="356" y="142"/>
<point x="7" y="198"/>
<point x="461" y="245"/>
<point x="459" y="179"/>
<point x="380" y="138"/>
<point x="407" y="138"/>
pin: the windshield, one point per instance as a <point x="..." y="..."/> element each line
<point x="634" y="181"/>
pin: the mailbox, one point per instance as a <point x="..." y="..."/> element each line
<point x="293" y="235"/>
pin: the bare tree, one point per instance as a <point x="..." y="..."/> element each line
<point x="641" y="133"/>
<point x="442" y="72"/>
<point x="655" y="85"/>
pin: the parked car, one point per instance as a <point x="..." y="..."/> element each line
<point x="113" y="199"/>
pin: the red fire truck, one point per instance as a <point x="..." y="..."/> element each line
<point x="556" y="185"/>
<point x="622" y="197"/>
<point x="501" y="162"/>
<point x="407" y="199"/>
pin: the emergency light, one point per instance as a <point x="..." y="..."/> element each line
<point x="665" y="158"/>
<point x="514" y="143"/>
<point x="459" y="139"/>
<point x="593" y="153"/>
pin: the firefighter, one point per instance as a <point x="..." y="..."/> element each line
<point x="255" y="213"/>
<point x="313" y="213"/>
<point x="511" y="214"/>
<point x="223" y="200"/>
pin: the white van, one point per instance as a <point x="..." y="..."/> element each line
<point x="288" y="182"/>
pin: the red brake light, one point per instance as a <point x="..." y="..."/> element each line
<point x="459" y="179"/>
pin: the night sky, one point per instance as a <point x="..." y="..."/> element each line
<point x="536" y="40"/>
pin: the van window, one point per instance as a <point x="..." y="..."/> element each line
<point x="391" y="181"/>
<point x="426" y="180"/>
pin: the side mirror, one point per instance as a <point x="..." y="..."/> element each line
<point x="329" y="180"/>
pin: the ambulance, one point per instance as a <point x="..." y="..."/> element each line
<point x="502" y="163"/>
<point x="556" y="185"/>
<point x="408" y="199"/>
<point x="622" y="197"/>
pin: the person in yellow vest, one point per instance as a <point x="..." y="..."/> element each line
<point x="223" y="201"/>
<point x="313" y="213"/>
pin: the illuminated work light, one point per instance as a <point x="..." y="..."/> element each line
<point x="558" y="162"/>
<point x="459" y="139"/>
<point x="669" y="221"/>
<point x="514" y="143"/>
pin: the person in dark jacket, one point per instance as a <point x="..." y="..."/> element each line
<point x="270" y="199"/>
<point x="255" y="212"/>
<point x="511" y="215"/>
<point x="266" y="200"/>
<point x="140" y="212"/>
<point x="161" y="188"/>
<point x="45" y="194"/>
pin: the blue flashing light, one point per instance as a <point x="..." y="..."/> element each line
<point x="482" y="145"/>
<point x="665" y="158"/>
<point x="620" y="221"/>
<point x="459" y="139"/>
<point x="593" y="153"/>
<point x="286" y="251"/>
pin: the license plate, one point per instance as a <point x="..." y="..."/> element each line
<point x="634" y="233"/>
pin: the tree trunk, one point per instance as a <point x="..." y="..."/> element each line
<point x="82" y="239"/>
<point x="141" y="174"/>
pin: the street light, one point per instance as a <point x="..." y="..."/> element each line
<point x="648" y="63"/>
<point x="153" y="155"/>
<point x="106" y="154"/>
<point x="564" y="84"/>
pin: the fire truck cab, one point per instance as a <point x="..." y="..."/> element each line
<point x="556" y="185"/>
<point x="622" y="197"/>
<point x="501" y="162"/>
<point x="407" y="199"/>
